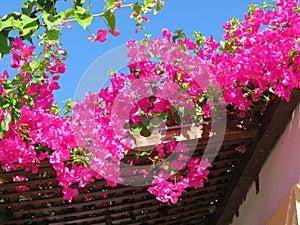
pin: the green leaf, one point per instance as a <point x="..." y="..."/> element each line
<point x="29" y="36"/>
<point x="211" y="209"/>
<point x="68" y="107"/>
<point x="30" y="28"/>
<point x="34" y="65"/>
<point x="80" y="10"/>
<point x="84" y="20"/>
<point x="111" y="20"/>
<point x="158" y="7"/>
<point x="222" y="43"/>
<point x="135" y="127"/>
<point x="28" y="25"/>
<point x="5" y="122"/>
<point x="30" y="103"/>
<point x="79" y="3"/>
<point x="181" y="109"/>
<point x="177" y="119"/>
<point x="88" y="8"/>
<point x="110" y="4"/>
<point x="185" y="86"/>
<point x="293" y="53"/>
<point x="164" y="116"/>
<point x="47" y="6"/>
<point x="52" y="34"/>
<point x="149" y="3"/>
<point x="13" y="15"/>
<point x="155" y="114"/>
<point x="145" y="153"/>
<point x="16" y="114"/>
<point x="6" y="23"/>
<point x="17" y="82"/>
<point x="69" y="13"/>
<point x="156" y="122"/>
<point x="27" y="7"/>
<point x="52" y="20"/>
<point x="17" y="24"/>
<point x="179" y="76"/>
<point x="145" y="121"/>
<point x="137" y="8"/>
<point x="26" y="68"/>
<point x="145" y="132"/>
<point x="4" y="47"/>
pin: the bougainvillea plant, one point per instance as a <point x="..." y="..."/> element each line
<point x="258" y="60"/>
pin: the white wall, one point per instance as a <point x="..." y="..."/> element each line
<point x="280" y="172"/>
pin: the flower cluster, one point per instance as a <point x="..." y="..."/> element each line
<point x="177" y="174"/>
<point x="38" y="133"/>
<point x="259" y="57"/>
<point x="169" y="83"/>
<point x="153" y="96"/>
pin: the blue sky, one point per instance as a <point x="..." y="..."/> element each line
<point x="192" y="15"/>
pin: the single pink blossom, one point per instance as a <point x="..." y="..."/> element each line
<point x="167" y="34"/>
<point x="101" y="35"/>
<point x="116" y="32"/>
<point x="118" y="4"/>
<point x="189" y="44"/>
<point x="241" y="148"/>
<point x="90" y="38"/>
<point x="144" y="18"/>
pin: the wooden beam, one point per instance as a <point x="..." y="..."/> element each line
<point x="272" y="127"/>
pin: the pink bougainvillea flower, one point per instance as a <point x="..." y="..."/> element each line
<point x="25" y="50"/>
<point x="64" y="21"/>
<point x="118" y="4"/>
<point x="61" y="51"/>
<point x="18" y="43"/>
<point x="3" y="76"/>
<point x="90" y="38"/>
<point x="101" y="35"/>
<point x="167" y="191"/>
<point x="69" y="193"/>
<point x="17" y="61"/>
<point x="144" y="18"/>
<point x="167" y="34"/>
<point x="241" y="148"/>
<point x="116" y="32"/>
<point x="53" y="86"/>
<point x="58" y="68"/>
<point x="22" y="188"/>
<point x="177" y="165"/>
<point x="19" y="178"/>
<point x="189" y="44"/>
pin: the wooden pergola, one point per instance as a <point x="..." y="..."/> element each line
<point x="215" y="204"/>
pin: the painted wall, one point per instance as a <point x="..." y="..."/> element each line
<point x="278" y="175"/>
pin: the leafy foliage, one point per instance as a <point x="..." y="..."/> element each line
<point x="30" y="22"/>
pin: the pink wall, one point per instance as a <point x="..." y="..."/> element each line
<point x="279" y="174"/>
